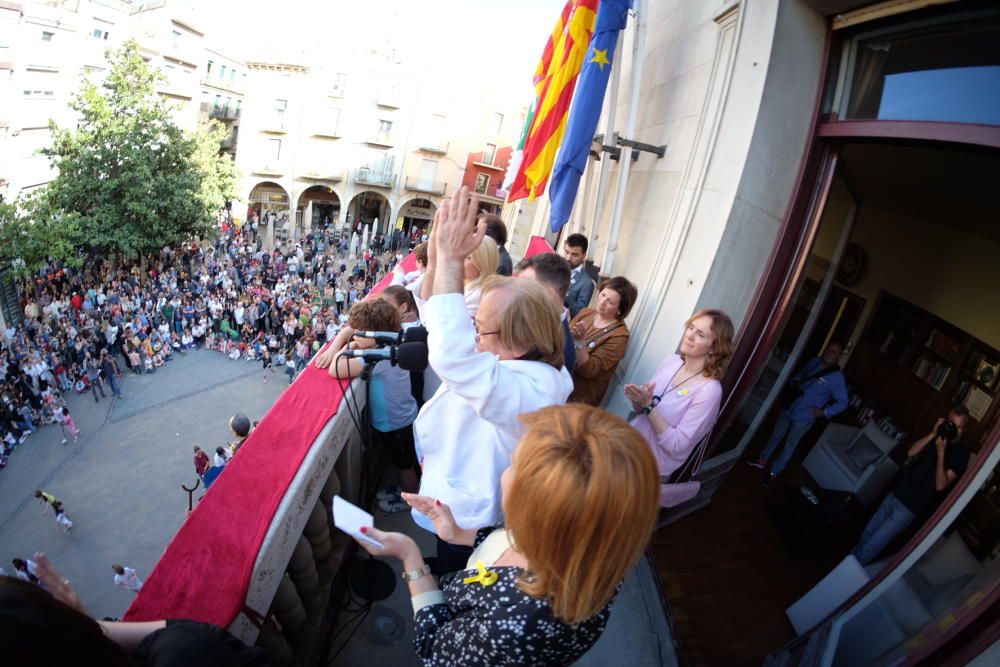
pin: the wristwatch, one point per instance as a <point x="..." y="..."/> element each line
<point x="413" y="575"/>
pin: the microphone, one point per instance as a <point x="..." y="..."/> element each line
<point x="411" y="335"/>
<point x="408" y="356"/>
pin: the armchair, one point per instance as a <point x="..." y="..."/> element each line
<point x="855" y="460"/>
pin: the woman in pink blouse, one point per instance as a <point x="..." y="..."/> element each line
<point x="677" y="408"/>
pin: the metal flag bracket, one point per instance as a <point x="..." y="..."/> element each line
<point x="614" y="152"/>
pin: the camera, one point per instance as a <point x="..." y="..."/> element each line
<point x="948" y="431"/>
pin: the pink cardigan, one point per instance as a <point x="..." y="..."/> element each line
<point x="690" y="412"/>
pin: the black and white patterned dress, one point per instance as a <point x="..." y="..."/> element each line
<point x="499" y="625"/>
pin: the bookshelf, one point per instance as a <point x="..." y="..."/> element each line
<point x="912" y="366"/>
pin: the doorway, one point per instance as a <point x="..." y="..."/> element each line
<point x="898" y="265"/>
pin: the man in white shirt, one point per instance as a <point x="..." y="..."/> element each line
<point x="507" y="363"/>
<point x="126" y="576"/>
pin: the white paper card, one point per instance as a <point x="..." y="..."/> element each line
<point x="350" y="518"/>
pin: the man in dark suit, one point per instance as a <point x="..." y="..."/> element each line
<point x="581" y="285"/>
<point x="552" y="272"/>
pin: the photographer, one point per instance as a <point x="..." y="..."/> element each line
<point x="929" y="471"/>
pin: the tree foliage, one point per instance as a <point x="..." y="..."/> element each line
<point x="129" y="179"/>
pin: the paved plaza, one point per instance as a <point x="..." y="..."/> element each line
<point x="121" y="483"/>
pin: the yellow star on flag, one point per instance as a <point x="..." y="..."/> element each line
<point x="601" y="58"/>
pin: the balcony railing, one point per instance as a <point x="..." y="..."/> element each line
<point x="368" y="176"/>
<point x="289" y="576"/>
<point x="224" y="112"/>
<point x="488" y="165"/>
<point x="436" y="147"/>
<point x="421" y="185"/>
<point x="383" y="139"/>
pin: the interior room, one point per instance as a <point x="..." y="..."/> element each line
<point x="902" y="272"/>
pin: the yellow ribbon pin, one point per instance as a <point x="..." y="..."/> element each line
<point x="485" y="577"/>
<point x="683" y="392"/>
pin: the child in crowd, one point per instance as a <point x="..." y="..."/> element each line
<point x="221" y="457"/>
<point x="62" y="520"/>
<point x="66" y="423"/>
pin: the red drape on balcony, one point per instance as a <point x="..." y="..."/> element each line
<point x="205" y="572"/>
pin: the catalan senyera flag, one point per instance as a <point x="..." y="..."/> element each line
<point x="555" y="81"/>
<point x="586" y="111"/>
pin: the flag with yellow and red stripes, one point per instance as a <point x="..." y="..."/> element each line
<point x="555" y="79"/>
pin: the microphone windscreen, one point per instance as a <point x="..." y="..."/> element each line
<point x="415" y="335"/>
<point x="412" y="356"/>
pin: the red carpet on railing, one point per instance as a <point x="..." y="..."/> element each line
<point x="204" y="574"/>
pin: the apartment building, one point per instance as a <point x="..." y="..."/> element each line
<point x="360" y="142"/>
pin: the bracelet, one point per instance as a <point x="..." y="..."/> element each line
<point x="413" y="575"/>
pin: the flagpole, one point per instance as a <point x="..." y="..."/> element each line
<point x="609" y="130"/>
<point x="625" y="162"/>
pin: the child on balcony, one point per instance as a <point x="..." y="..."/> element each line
<point x="392" y="406"/>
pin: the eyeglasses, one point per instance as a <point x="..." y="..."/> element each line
<point x="480" y="334"/>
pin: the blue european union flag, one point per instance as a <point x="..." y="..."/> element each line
<point x="586" y="111"/>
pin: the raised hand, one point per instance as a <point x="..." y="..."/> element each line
<point x="396" y="545"/>
<point x="56" y="584"/>
<point x="455" y="230"/>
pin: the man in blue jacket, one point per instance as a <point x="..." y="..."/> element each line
<point x="581" y="285"/>
<point x="822" y="392"/>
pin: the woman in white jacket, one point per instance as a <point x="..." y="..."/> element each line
<point x="506" y="362"/>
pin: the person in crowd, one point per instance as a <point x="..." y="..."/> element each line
<point x="221" y="457"/>
<point x="479" y="264"/>
<point x="201" y="461"/>
<point x="581" y="285"/>
<point x="677" y="408"/>
<point x="109" y="369"/>
<point x="68" y="425"/>
<point x="26" y="569"/>
<point x="528" y="593"/>
<point x="62" y="520"/>
<point x="127" y="578"/>
<point x="47" y="500"/>
<point x="933" y="465"/>
<point x="552" y="272"/>
<point x="497" y="230"/>
<point x="392" y="407"/>
<point x="818" y="391"/>
<point x="93" y="370"/>
<point x="600" y="337"/>
<point x="506" y="361"/>
<point x="33" y="617"/>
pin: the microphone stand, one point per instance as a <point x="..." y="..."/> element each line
<point x="370" y="579"/>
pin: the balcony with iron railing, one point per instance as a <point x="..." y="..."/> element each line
<point x="378" y="177"/>
<point x="421" y="185"/>
<point x="224" y="112"/>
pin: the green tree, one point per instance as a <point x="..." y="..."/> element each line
<point x="128" y="177"/>
<point x="31" y="232"/>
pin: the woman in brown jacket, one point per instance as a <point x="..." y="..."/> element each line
<point x="601" y="337"/>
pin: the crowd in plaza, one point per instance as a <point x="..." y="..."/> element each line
<point x="84" y="327"/>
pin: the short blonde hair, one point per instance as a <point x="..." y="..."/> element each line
<point x="581" y="506"/>
<point x="486" y="258"/>
<point x="529" y="320"/>
<point x="722" y="348"/>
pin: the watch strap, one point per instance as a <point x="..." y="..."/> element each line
<point x="413" y="575"/>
